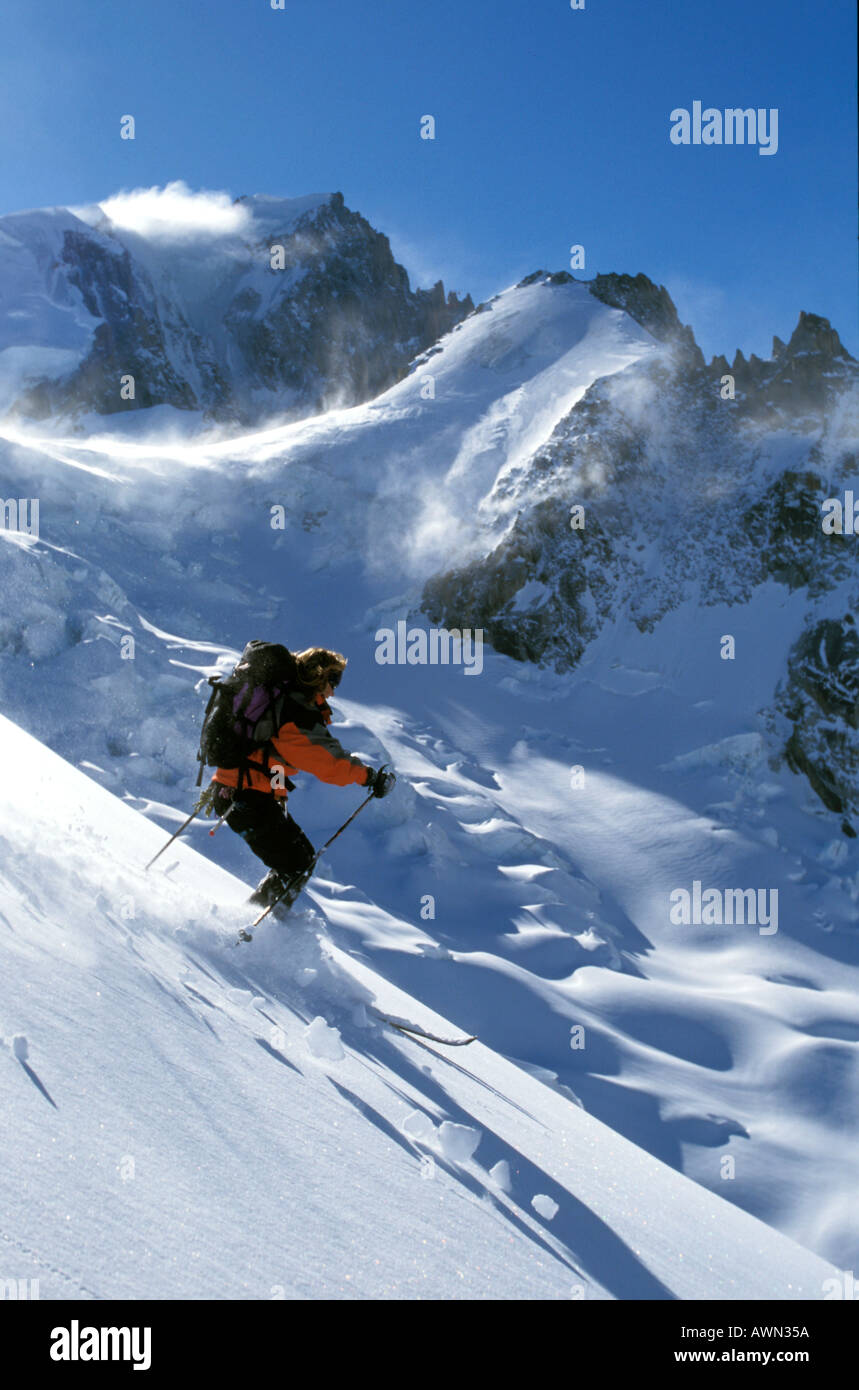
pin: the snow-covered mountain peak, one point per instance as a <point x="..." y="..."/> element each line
<point x="270" y="214"/>
<point x="230" y="310"/>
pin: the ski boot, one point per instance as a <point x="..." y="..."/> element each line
<point x="279" y="890"/>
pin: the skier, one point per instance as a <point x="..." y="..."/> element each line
<point x="256" y="805"/>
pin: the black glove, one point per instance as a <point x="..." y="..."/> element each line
<point x="379" y="782"/>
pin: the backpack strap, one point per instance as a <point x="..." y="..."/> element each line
<point x="245" y="764"/>
<point x="268" y="750"/>
<point x="265" y="766"/>
<point x="213" y="682"/>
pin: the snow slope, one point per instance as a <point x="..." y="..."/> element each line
<point x="403" y="479"/>
<point x="407" y="476"/>
<point x="550" y="901"/>
<point x="186" y="1120"/>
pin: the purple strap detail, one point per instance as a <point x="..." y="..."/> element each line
<point x="259" y="702"/>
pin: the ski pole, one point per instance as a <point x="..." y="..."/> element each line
<point x="172" y="838"/>
<point x="220" y="821"/>
<point x="319" y="853"/>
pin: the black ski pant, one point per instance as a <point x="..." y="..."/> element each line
<point x="264" y="823"/>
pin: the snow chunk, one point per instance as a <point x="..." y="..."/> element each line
<point x="323" y="1041"/>
<point x="418" y="1125"/>
<point x="458" y="1142"/>
<point x="499" y="1174"/>
<point x="238" y="996"/>
<point x="20" y="1047"/>
<point x="590" y="940"/>
<point x="544" y="1206"/>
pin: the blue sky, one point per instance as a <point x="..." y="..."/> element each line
<point x="552" y="128"/>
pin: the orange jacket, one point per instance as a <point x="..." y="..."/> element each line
<point x="301" y="744"/>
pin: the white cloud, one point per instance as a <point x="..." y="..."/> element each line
<point x="174" y="213"/>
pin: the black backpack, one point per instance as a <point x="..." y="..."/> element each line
<point x="245" y="709"/>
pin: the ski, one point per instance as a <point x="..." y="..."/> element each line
<point x="409" y="1029"/>
<point x="413" y="1030"/>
